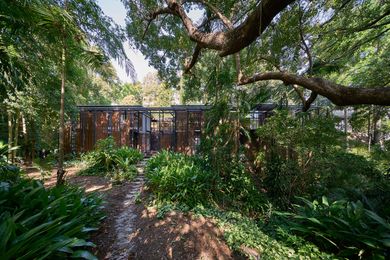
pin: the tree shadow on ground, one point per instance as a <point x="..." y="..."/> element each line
<point x="177" y="236"/>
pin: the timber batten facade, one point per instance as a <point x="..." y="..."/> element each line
<point x="148" y="129"/>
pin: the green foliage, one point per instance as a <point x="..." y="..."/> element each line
<point x="237" y="190"/>
<point x="346" y="171"/>
<point x="189" y="180"/>
<point x="8" y="172"/>
<point x="295" y="148"/>
<point x="242" y="232"/>
<point x="31" y="42"/>
<point x="343" y="227"/>
<point x="179" y="178"/>
<point x="303" y="157"/>
<point x="36" y="222"/>
<point x="109" y="160"/>
<point x="155" y="92"/>
<point x="129" y="94"/>
<point x="105" y="144"/>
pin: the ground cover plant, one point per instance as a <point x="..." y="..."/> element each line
<point x="8" y="171"/>
<point x="116" y="163"/>
<point x="250" y="237"/>
<point x="37" y="222"/>
<point x="347" y="228"/>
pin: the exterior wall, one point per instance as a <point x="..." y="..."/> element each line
<point x="147" y="129"/>
<point x="176" y="128"/>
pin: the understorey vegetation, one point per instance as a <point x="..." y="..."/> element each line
<point x="38" y="222"/>
<point x="111" y="161"/>
<point x="303" y="196"/>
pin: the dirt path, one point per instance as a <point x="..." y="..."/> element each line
<point x="135" y="231"/>
<point x="124" y="222"/>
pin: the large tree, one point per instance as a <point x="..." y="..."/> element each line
<point x="310" y="46"/>
<point x="47" y="47"/>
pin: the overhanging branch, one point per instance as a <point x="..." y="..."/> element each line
<point x="338" y="94"/>
<point x="231" y="41"/>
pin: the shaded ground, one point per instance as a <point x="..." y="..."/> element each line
<point x="176" y="236"/>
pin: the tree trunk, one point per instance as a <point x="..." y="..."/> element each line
<point x="369" y="130"/>
<point x="346" y="127"/>
<point x="10" y="135"/>
<point x="27" y="143"/>
<point x="60" y="171"/>
<point x="16" y="135"/>
<point x="32" y="141"/>
<point x="375" y="129"/>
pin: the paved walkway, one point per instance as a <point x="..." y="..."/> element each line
<point x="124" y="223"/>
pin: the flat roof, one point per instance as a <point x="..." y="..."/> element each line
<point x="142" y="108"/>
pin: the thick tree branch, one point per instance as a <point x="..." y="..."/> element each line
<point x="154" y="15"/>
<point x="231" y="41"/>
<point x="229" y="25"/>
<point x="206" y="21"/>
<point x="338" y="94"/>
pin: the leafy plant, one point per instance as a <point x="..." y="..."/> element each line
<point x="109" y="160"/>
<point x="189" y="180"/>
<point x="343" y="227"/>
<point x="179" y="178"/>
<point x="246" y="235"/>
<point x="105" y="144"/>
<point x="119" y="176"/>
<point x="36" y="222"/>
<point x="8" y="172"/>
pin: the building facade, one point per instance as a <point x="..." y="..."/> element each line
<point x="149" y="129"/>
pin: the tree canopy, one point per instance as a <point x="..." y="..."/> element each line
<point x="54" y="54"/>
<point x="338" y="49"/>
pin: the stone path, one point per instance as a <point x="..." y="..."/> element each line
<point x="124" y="223"/>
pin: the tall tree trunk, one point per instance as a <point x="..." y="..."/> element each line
<point x="16" y="135"/>
<point x="27" y="142"/>
<point x="369" y="130"/>
<point x="32" y="140"/>
<point x="375" y="128"/>
<point x="10" y="135"/>
<point x="346" y="127"/>
<point x="60" y="171"/>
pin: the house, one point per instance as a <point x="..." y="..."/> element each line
<point x="149" y="129"/>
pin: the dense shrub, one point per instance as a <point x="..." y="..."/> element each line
<point x="346" y="176"/>
<point x="236" y="190"/>
<point x="343" y="227"/>
<point x="292" y="147"/>
<point x="8" y="172"/>
<point x="186" y="179"/>
<point x="304" y="157"/>
<point x="179" y="178"/>
<point x="36" y="222"/>
<point x="114" y="162"/>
